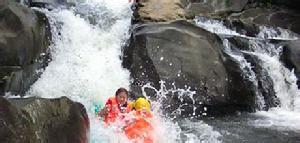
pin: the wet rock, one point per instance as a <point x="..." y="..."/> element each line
<point x="187" y="57"/>
<point x="283" y="18"/>
<point x="51" y="3"/>
<point x="213" y="7"/>
<point x="291" y="57"/>
<point x="43" y="120"/>
<point x="24" y="42"/>
<point x="15" y="125"/>
<point x="168" y="10"/>
<point x="158" y="10"/>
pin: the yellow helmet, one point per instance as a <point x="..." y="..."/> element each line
<point x="142" y="103"/>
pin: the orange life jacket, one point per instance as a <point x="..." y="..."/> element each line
<point x="114" y="110"/>
<point x="141" y="130"/>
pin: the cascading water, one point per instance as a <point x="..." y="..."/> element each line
<point x="86" y="67"/>
<point x="286" y="116"/>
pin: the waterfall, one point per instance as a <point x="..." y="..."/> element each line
<point x="286" y="115"/>
<point x="85" y="59"/>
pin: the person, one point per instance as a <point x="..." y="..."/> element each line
<point x="141" y="130"/>
<point x="115" y="106"/>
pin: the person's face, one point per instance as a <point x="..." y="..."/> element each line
<point x="122" y="98"/>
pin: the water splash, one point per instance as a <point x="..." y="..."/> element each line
<point x="186" y="130"/>
<point x="163" y="94"/>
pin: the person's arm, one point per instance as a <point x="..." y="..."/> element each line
<point x="104" y="111"/>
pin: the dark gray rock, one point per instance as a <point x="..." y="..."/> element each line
<point x="295" y="4"/>
<point x="291" y="57"/>
<point x="3" y="3"/>
<point x="212" y="7"/>
<point x="51" y="3"/>
<point x="189" y="57"/>
<point x="283" y="18"/>
<point x="43" y="120"/>
<point x="24" y="42"/>
<point x="14" y="124"/>
<point x="289" y="4"/>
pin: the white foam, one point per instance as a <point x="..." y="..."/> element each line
<point x="276" y="33"/>
<point x="279" y="119"/>
<point x="200" y="132"/>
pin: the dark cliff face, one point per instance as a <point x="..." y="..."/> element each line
<point x="43" y="120"/>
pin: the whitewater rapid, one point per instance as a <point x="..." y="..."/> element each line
<point x="85" y="66"/>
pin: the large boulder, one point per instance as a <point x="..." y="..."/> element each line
<point x="160" y="10"/>
<point x="212" y="7"/>
<point x="43" y="120"/>
<point x="168" y="10"/>
<point x="14" y="125"/>
<point x="187" y="57"/>
<point x="24" y="40"/>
